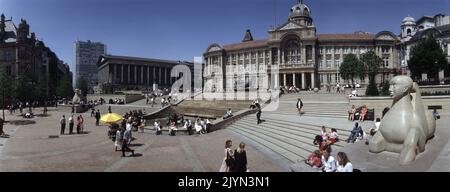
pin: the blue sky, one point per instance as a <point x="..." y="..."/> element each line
<point x="182" y="29"/>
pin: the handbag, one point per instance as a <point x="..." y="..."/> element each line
<point x="229" y="161"/>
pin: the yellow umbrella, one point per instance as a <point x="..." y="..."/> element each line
<point x="111" y="118"/>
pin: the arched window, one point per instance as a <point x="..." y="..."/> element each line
<point x="408" y="32"/>
<point x="292" y="52"/>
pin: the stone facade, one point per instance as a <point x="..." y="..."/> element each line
<point x="86" y="57"/>
<point x="22" y="54"/>
<point x="294" y="54"/>
<point x="137" y="73"/>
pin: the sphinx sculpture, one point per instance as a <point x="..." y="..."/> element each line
<point x="407" y="126"/>
<point x="77" y="96"/>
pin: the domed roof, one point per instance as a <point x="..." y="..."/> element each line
<point x="300" y="9"/>
<point x="409" y="20"/>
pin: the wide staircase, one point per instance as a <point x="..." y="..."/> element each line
<point x="291" y="135"/>
<point x="315" y="105"/>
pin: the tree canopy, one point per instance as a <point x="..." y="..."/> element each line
<point x="427" y="57"/>
<point x="351" y="67"/>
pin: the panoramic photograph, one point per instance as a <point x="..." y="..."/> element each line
<point x="225" y="86"/>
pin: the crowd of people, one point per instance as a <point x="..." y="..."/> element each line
<point x="122" y="134"/>
<point x="199" y="126"/>
<point x="74" y="120"/>
<point x="360" y="113"/>
<point x="322" y="159"/>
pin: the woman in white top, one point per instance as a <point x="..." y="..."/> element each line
<point x="343" y="164"/>
<point x="324" y="133"/>
<point x="198" y="127"/>
<point x="228" y="155"/>
<point x="328" y="161"/>
<point x="334" y="136"/>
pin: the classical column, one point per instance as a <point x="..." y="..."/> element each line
<point x="148" y="75"/>
<point x="303" y="80"/>
<point x="135" y="74"/>
<point x="279" y="56"/>
<point x="284" y="79"/>
<point x="142" y="75"/>
<point x="121" y="74"/>
<point x="159" y="76"/>
<point x="313" y="84"/>
<point x="129" y="72"/>
<point x="293" y="79"/>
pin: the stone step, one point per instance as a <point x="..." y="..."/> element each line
<point x="277" y="147"/>
<point x="341" y="131"/>
<point x="305" y="128"/>
<point x="303" y="135"/>
<point x="304" y="131"/>
<point x="285" y="138"/>
<point x="310" y="114"/>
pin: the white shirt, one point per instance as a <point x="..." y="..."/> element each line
<point x="330" y="165"/>
<point x="128" y="126"/>
<point x="377" y="125"/>
<point x="334" y="135"/>
<point x="347" y="168"/>
<point x="324" y="135"/>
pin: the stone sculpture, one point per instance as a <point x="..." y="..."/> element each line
<point x="77" y="97"/>
<point x="407" y="126"/>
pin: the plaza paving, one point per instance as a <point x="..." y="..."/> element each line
<point x="30" y="149"/>
<point x="275" y="145"/>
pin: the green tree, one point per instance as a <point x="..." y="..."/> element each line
<point x="64" y="87"/>
<point x="41" y="88"/>
<point x="82" y="85"/>
<point x="372" y="63"/>
<point x="427" y="57"/>
<point x="350" y="68"/>
<point x="5" y="88"/>
<point x="23" y="88"/>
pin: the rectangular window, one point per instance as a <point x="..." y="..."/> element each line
<point x="309" y="52"/>
<point x="337" y="63"/>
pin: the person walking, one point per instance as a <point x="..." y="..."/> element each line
<point x="81" y="124"/>
<point x="109" y="109"/>
<point x="299" y="106"/>
<point x="228" y="159"/>
<point x="78" y="125"/>
<point x="97" y="117"/>
<point x="71" y="125"/>
<point x="1" y="127"/>
<point x="240" y="159"/>
<point x="63" y="124"/>
<point x="125" y="140"/>
<point x="258" y="113"/>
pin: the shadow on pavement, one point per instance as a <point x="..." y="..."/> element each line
<point x="22" y="122"/>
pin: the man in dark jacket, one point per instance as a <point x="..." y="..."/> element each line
<point x="97" y="117"/>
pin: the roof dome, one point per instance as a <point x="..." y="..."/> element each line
<point x="409" y="20"/>
<point x="300" y="9"/>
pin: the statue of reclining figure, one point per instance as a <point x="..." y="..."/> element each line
<point x="406" y="127"/>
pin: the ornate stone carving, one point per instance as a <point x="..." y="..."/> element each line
<point x="212" y="49"/>
<point x="385" y="37"/>
<point x="407" y="126"/>
<point x="290" y="26"/>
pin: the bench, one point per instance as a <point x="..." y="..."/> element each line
<point x="166" y="129"/>
<point x="433" y="107"/>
